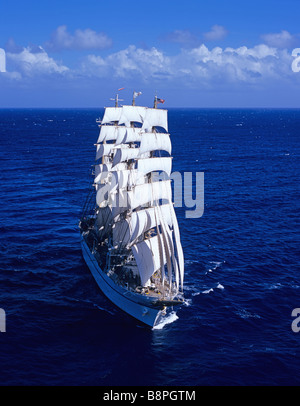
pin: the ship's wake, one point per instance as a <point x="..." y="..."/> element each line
<point x="170" y="318"/>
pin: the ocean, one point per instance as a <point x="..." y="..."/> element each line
<point x="241" y="257"/>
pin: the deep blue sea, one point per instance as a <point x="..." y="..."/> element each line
<point x="241" y="257"/>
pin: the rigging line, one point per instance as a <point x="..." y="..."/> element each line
<point x="88" y="202"/>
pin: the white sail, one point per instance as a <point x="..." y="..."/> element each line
<point x="149" y="192"/>
<point x="155" y="141"/>
<point x="130" y="134"/>
<point x="140" y="195"/>
<point x="155" y="118"/>
<point x="115" y="180"/>
<point x="127" y="231"/>
<point x="147" y="165"/>
<point x="178" y="247"/>
<point x="103" y="149"/>
<point x="127" y="178"/>
<point x="110" y="133"/>
<point x="132" y="114"/>
<point x="111" y="114"/>
<point x="124" y="154"/>
<point x="101" y="172"/>
<point x="146" y="254"/>
<point x="169" y="243"/>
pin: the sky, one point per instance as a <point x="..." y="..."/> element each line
<point x="192" y="53"/>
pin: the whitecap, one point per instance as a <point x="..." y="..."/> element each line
<point x="219" y="286"/>
<point x="208" y="291"/>
<point x="216" y="264"/>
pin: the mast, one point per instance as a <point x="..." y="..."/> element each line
<point x="135" y="94"/>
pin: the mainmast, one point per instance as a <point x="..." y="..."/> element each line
<point x="135" y="94"/>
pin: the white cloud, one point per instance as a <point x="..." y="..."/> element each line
<point x="32" y="62"/>
<point x="199" y="66"/>
<point x="129" y="62"/>
<point x="281" y="39"/>
<point x="231" y="65"/>
<point x="81" y="39"/>
<point x="217" y="32"/>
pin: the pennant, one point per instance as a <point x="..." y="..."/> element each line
<point x="121" y="88"/>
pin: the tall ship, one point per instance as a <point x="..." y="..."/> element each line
<point x="129" y="232"/>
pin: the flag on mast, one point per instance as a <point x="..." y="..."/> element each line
<point x="160" y="100"/>
<point x="135" y="94"/>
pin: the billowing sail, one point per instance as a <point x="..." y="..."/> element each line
<point x="155" y="141"/>
<point x="155" y="118"/>
<point x="102" y="171"/>
<point x="110" y="133"/>
<point x="147" y="165"/>
<point x="111" y="114"/>
<point x="139" y="222"/>
<point x="125" y="154"/>
<point x="132" y="114"/>
<point x="103" y="149"/>
<point x="128" y="135"/>
<point x="140" y="195"/>
<point x="147" y="257"/>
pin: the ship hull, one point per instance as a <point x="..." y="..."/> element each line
<point x="121" y="297"/>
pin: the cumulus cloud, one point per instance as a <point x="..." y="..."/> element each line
<point x="129" y="62"/>
<point x="81" y="40"/>
<point x="281" y="39"/>
<point x="199" y="66"/>
<point x="217" y="32"/>
<point x="31" y="62"/>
